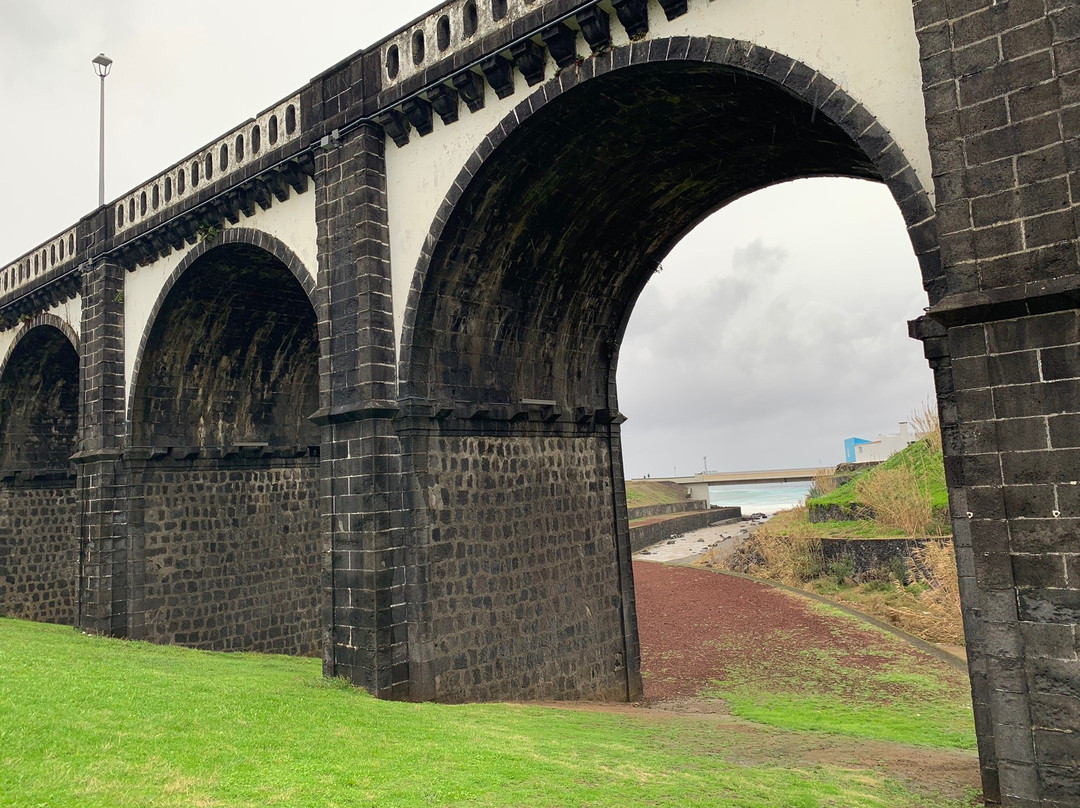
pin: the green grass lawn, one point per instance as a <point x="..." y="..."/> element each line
<point x="98" y="722"/>
<point x="645" y="492"/>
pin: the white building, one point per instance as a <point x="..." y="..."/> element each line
<point x="882" y="448"/>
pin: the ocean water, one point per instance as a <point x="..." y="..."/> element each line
<point x="760" y="497"/>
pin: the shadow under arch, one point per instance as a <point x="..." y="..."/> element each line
<point x="519" y="303"/>
<point x="39" y="420"/>
<point x="609" y="165"/>
<point x="251" y="267"/>
<point x="39" y="398"/>
<point x="223" y="457"/>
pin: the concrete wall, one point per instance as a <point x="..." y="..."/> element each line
<point x="662" y="510"/>
<point x="641" y="536"/>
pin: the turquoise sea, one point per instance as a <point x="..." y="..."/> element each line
<point x="761" y="497"/>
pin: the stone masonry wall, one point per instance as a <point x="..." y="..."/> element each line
<point x="524" y="586"/>
<point x="1019" y="390"/>
<point x="231" y="557"/>
<point x="1000" y="81"/>
<point x="39" y="551"/>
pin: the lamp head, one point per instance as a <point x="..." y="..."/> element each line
<point x="102" y="65"/>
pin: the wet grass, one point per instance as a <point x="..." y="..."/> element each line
<point x="94" y="722"/>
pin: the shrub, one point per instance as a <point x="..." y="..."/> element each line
<point x="842" y="569"/>
<point x="927" y="425"/>
<point x="788" y="549"/>
<point x="898" y="570"/>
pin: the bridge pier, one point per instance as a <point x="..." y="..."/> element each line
<point x="103" y="480"/>
<point x="363" y="498"/>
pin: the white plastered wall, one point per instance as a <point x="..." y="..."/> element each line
<point x="868" y="47"/>
<point x="291" y="222"/>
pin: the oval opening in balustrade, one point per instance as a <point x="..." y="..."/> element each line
<point x="469" y="21"/>
<point x="442" y="33"/>
<point x="131" y="210"/>
<point x="71" y="245"/>
<point x="417" y="47"/>
<point x="180" y="181"/>
<point x="52" y="252"/>
<point x="209" y="167"/>
<point x="195" y="175"/>
<point x="142" y="203"/>
<point x="223" y="157"/>
<point x="256" y="139"/>
<point x="61" y="249"/>
<point x="155" y="197"/>
<point x="271" y="127"/>
<point x="238" y="148"/>
<point x="290" y="119"/>
<point x="120" y="215"/>
<point x="392" y="62"/>
<point x="498" y="9"/>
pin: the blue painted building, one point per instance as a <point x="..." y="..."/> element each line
<point x="849" y="448"/>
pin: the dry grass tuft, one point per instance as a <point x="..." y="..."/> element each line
<point x="934" y="566"/>
<point x="899" y="498"/>
<point x="785" y="549"/>
<point x="824" y="483"/>
<point x="927" y="425"/>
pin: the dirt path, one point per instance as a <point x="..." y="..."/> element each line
<point x="696" y="627"/>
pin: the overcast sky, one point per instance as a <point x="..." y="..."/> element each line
<point x="776" y="329"/>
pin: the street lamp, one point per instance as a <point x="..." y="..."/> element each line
<point x="102" y="66"/>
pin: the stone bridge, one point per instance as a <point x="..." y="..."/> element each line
<point x="342" y="382"/>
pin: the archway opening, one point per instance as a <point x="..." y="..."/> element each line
<point x="228" y="523"/>
<point x="776" y="327"/>
<point x="775" y="330"/>
<point x="232" y="362"/>
<point x="598" y="185"/>
<point x="39" y="404"/>
<point x="39" y="529"/>
<point x="515" y="337"/>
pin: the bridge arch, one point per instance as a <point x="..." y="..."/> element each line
<point x="39" y="512"/>
<point x="860" y="146"/>
<point x="39" y="397"/>
<point x="517" y="309"/>
<point x="223" y="455"/>
<point x="232" y="235"/>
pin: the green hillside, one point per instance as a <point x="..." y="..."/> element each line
<point x="926" y="464"/>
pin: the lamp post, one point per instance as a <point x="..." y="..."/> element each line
<point x="102" y="66"/>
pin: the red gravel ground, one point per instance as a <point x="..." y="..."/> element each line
<point x="695" y="626"/>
